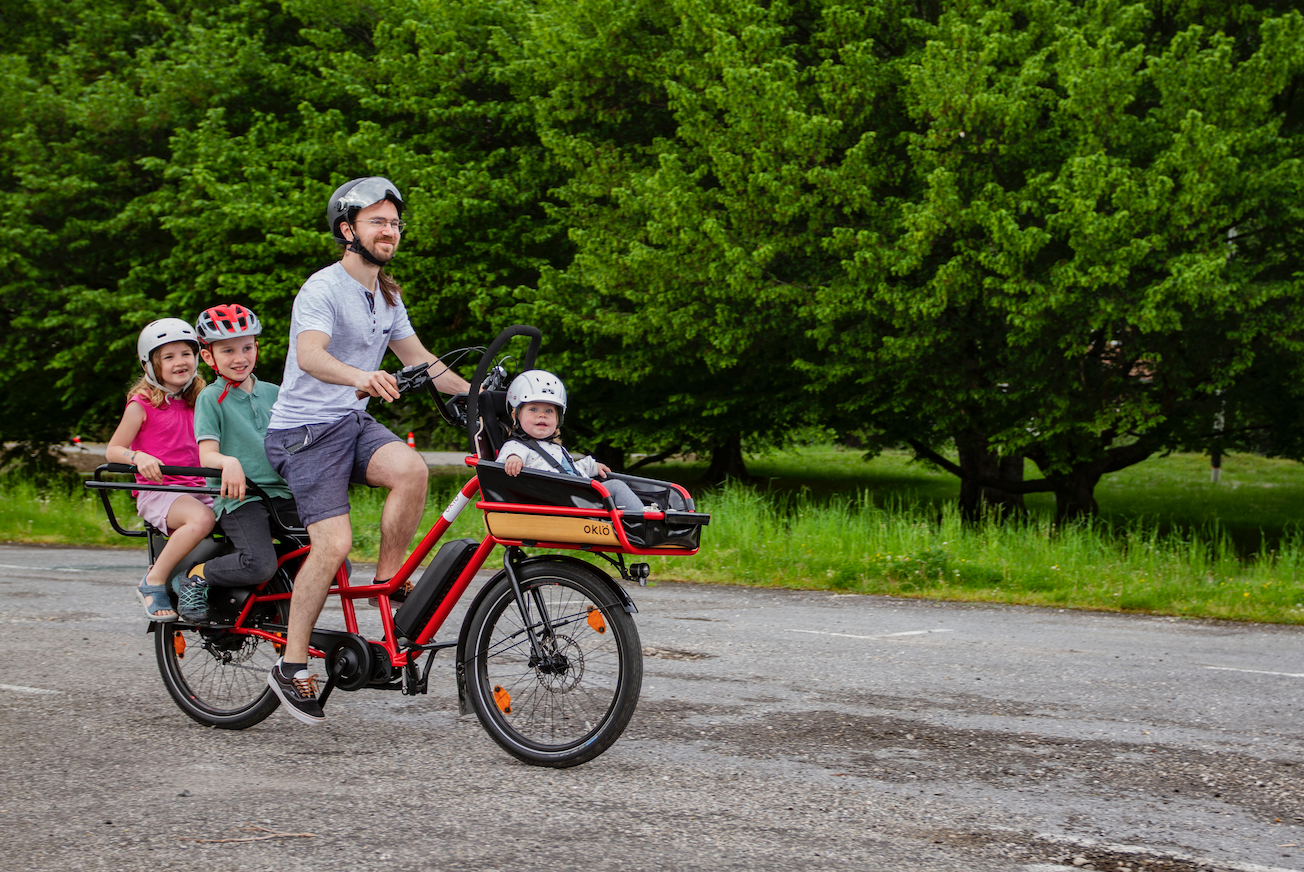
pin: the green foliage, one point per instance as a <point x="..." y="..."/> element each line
<point x="162" y="157"/>
<point x="1093" y="242"/>
<point x="1058" y="229"/>
<point x="712" y="147"/>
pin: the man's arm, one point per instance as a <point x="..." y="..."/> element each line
<point x="314" y="359"/>
<point x="411" y="351"/>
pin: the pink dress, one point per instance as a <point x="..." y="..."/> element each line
<point x="169" y="435"/>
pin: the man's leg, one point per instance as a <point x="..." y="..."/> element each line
<point x="405" y="474"/>
<point x="331" y="540"/>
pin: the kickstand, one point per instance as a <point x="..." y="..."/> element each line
<point x="326" y="691"/>
<point x="412" y="683"/>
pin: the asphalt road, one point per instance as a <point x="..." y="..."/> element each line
<point x="777" y="730"/>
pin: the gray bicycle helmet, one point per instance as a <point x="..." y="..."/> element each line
<point x="157" y="334"/>
<point x="359" y="194"/>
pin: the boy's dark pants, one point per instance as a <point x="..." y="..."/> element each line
<point x="249" y="530"/>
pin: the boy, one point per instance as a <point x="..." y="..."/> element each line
<point x="230" y="425"/>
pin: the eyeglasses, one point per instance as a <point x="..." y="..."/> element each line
<point x="380" y="223"/>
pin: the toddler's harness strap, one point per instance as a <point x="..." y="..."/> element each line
<point x="567" y="469"/>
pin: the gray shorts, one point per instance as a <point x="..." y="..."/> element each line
<point x="318" y="461"/>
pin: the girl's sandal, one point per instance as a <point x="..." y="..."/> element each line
<point x="154" y="597"/>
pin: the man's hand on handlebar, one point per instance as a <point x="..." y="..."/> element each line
<point x="377" y="384"/>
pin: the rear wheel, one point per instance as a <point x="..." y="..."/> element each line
<point x="218" y="676"/>
<point x="570" y="705"/>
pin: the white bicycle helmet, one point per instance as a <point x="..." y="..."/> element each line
<point x="159" y="333"/>
<point x="537" y="386"/>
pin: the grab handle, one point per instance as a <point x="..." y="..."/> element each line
<point x="487" y="360"/>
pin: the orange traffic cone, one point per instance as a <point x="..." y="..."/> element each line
<point x="412" y="440"/>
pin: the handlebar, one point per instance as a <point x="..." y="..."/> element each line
<point x="463" y="410"/>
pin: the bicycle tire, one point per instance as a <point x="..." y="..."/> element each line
<point x="573" y="711"/>
<point x="218" y="676"/>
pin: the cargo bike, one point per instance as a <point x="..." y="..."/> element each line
<point x="547" y="656"/>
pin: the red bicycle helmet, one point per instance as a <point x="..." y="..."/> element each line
<point x="226" y="321"/>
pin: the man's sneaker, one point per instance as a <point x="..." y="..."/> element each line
<point x="298" y="694"/>
<point x="192" y="597"/>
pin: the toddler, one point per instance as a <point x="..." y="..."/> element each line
<point x="538" y="403"/>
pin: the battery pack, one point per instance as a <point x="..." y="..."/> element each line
<point x="433" y="586"/>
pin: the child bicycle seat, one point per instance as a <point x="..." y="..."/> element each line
<point x="545" y="506"/>
<point x="495" y="425"/>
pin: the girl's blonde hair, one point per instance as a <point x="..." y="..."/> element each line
<point x="158" y="398"/>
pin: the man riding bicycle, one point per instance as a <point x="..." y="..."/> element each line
<point x="320" y="437"/>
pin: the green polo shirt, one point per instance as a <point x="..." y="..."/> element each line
<point x="239" y="425"/>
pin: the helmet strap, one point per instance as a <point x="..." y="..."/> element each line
<point x="230" y="382"/>
<point x="357" y="248"/>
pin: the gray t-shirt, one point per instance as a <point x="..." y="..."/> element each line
<point x="334" y="303"/>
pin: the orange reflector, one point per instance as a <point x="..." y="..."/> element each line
<point x="502" y="699"/>
<point x="179" y="645"/>
<point x="596" y="621"/>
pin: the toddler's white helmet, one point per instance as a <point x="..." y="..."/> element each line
<point x="159" y="333"/>
<point x="537" y="386"/>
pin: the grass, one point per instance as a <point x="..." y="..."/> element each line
<point x="1167" y="541"/>
<point x="862" y="545"/>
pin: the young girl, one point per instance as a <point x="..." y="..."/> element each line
<point x="158" y="429"/>
<point x="538" y="403"/>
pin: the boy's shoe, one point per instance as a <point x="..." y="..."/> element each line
<point x="192" y="597"/>
<point x="298" y="694"/>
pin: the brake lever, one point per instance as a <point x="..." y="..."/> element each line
<point x="412" y="378"/>
<point x="496" y="380"/>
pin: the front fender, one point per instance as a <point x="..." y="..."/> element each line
<point x="626" y="601"/>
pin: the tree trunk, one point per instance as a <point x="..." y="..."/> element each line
<point x="611" y="455"/>
<point x="979" y="461"/>
<point x="726" y="461"/>
<point x="1075" y="494"/>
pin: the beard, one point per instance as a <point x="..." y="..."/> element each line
<point x="382" y="259"/>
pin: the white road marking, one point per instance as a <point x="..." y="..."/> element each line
<point x="19" y="689"/>
<point x="41" y="568"/>
<point x="1257" y="671"/>
<point x="880" y="636"/>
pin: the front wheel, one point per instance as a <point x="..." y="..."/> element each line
<point x="569" y="705"/>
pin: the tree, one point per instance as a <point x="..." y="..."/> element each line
<point x="712" y="148"/>
<point x="159" y="158"/>
<point x="1094" y="243"/>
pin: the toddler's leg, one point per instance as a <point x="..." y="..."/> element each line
<point x="190" y="521"/>
<point x="624" y="496"/>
